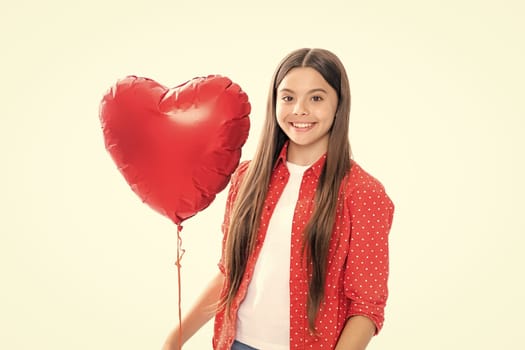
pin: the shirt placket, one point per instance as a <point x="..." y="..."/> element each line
<point x="299" y="334"/>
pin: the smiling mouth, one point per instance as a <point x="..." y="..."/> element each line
<point x="302" y="125"/>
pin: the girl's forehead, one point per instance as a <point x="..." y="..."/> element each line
<point x="303" y="78"/>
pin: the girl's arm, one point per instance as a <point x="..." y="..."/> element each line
<point x="357" y="333"/>
<point x="200" y="313"/>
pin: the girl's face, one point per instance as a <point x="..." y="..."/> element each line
<point x="305" y="109"/>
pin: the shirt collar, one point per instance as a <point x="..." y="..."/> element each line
<point x="316" y="167"/>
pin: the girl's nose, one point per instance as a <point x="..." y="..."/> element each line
<point x="300" y="109"/>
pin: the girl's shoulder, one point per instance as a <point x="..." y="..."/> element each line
<point x="239" y="172"/>
<point x="359" y="181"/>
<point x="241" y="168"/>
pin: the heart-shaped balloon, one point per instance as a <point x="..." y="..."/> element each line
<point x="176" y="147"/>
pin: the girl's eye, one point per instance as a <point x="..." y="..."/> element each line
<point x="317" y="98"/>
<point x="286" y="98"/>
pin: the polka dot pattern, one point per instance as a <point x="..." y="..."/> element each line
<point x="357" y="272"/>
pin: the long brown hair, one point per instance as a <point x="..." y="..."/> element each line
<point x="247" y="209"/>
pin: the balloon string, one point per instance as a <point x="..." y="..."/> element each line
<point x="180" y="254"/>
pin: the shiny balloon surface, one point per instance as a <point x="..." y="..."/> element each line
<point x="176" y="147"/>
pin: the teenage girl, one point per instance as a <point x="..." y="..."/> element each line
<point x="305" y="251"/>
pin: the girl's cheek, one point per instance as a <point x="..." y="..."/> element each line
<point x="282" y="110"/>
<point x="279" y="112"/>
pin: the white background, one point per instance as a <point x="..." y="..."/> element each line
<point x="437" y="115"/>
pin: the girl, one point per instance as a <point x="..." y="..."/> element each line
<point x="305" y="249"/>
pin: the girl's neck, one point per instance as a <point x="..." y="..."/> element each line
<point x="302" y="155"/>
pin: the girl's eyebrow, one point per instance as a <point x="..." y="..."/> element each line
<point x="309" y="92"/>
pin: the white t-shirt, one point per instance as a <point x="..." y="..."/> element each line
<point x="263" y="319"/>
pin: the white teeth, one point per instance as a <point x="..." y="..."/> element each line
<point x="302" y="125"/>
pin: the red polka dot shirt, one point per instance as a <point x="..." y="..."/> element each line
<point x="357" y="271"/>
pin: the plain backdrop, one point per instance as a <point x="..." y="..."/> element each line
<point x="437" y="116"/>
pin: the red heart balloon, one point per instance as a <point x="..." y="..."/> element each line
<point x="176" y="147"/>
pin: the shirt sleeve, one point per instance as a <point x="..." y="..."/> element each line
<point x="366" y="274"/>
<point x="232" y="194"/>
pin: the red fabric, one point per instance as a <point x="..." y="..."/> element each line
<point x="356" y="280"/>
